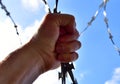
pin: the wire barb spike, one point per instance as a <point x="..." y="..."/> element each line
<point x="65" y="67"/>
<point x="8" y="14"/>
<point x="103" y="5"/>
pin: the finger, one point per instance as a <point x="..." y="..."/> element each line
<point x="68" y="26"/>
<point x="62" y="31"/>
<point x="69" y="37"/>
<point x="65" y="21"/>
<point x="67" y="47"/>
<point x="68" y="57"/>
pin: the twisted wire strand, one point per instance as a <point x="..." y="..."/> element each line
<point x="8" y="14"/>
<point x="103" y="6"/>
<point x="108" y="29"/>
<point x="93" y="18"/>
<point x="47" y="6"/>
<point x="65" y="67"/>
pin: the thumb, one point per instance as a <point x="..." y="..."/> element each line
<point x="53" y="22"/>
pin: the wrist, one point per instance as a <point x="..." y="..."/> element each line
<point x="32" y="59"/>
<point x="22" y="66"/>
<point x="43" y="54"/>
<point x="33" y="64"/>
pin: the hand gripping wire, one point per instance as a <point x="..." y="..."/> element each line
<point x="8" y="14"/>
<point x="65" y="67"/>
<point x="103" y="6"/>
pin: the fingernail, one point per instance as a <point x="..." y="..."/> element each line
<point x="74" y="56"/>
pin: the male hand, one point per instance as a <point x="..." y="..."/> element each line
<point x="56" y="40"/>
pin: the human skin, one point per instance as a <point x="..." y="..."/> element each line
<point x="53" y="43"/>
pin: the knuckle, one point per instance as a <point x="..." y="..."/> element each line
<point x="79" y="44"/>
<point x="77" y="34"/>
<point x="72" y="18"/>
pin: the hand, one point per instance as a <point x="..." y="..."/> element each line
<point x="56" y="40"/>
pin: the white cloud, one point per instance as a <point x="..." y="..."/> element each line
<point x="115" y="78"/>
<point x="28" y="32"/>
<point x="32" y="4"/>
<point x="50" y="77"/>
<point x="8" y="38"/>
<point x="82" y="75"/>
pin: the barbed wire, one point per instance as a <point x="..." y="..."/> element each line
<point x="108" y="29"/>
<point x="47" y="6"/>
<point x="9" y="15"/>
<point x="102" y="6"/>
<point x="66" y="68"/>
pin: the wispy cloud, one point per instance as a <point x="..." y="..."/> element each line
<point x="8" y="38"/>
<point x="115" y="78"/>
<point x="32" y="4"/>
<point x="82" y="76"/>
<point x="28" y="32"/>
<point x="50" y="77"/>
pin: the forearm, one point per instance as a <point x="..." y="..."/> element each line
<point x="21" y="67"/>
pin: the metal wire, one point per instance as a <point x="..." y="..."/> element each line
<point x="47" y="6"/>
<point x="108" y="29"/>
<point x="65" y="67"/>
<point x="93" y="18"/>
<point x="8" y="14"/>
<point x="103" y="6"/>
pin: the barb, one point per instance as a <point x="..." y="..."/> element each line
<point x="56" y="6"/>
<point x="93" y="17"/>
<point x="103" y="6"/>
<point x="65" y="67"/>
<point x="8" y="14"/>
<point x="108" y="29"/>
<point x="47" y="6"/>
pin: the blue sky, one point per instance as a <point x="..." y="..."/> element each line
<point x="98" y="61"/>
